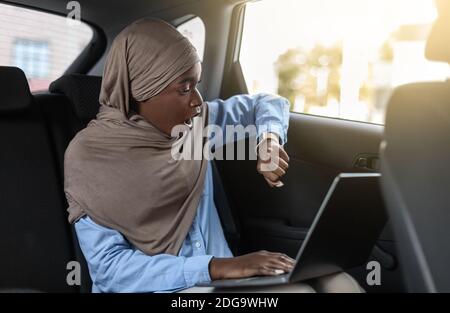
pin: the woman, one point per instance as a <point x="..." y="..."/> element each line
<point x="145" y="221"/>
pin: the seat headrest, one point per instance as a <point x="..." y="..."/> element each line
<point x="15" y="93"/>
<point x="438" y="43"/>
<point x="82" y="91"/>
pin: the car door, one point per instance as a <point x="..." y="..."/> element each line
<point x="278" y="219"/>
<point x="320" y="147"/>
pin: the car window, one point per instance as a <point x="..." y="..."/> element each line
<point x="194" y="30"/>
<point x="337" y="58"/>
<point x="43" y="45"/>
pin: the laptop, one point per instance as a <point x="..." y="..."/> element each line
<point x="342" y="236"/>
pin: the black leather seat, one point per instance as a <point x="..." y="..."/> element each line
<point x="35" y="238"/>
<point x="71" y="104"/>
<point x="68" y="108"/>
<point x="415" y="164"/>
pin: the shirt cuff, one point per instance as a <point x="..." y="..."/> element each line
<point x="276" y="128"/>
<point x="196" y="269"/>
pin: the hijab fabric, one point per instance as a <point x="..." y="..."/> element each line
<point x="119" y="170"/>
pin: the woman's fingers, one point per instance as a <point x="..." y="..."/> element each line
<point x="275" y="175"/>
<point x="275" y="268"/>
<point x="283" y="256"/>
<point x="288" y="259"/>
<point x="283" y="154"/>
<point x="280" y="260"/>
<point x="277" y="166"/>
<point x="274" y="184"/>
<point x="273" y="167"/>
<point x="267" y="271"/>
<point x="284" y="259"/>
<point x="273" y="178"/>
<point x="271" y="263"/>
<point x="279" y="172"/>
<point x="277" y="264"/>
<point x="283" y="164"/>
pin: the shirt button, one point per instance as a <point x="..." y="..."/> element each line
<point x="197" y="244"/>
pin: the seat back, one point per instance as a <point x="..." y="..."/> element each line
<point x="70" y="105"/>
<point x="415" y="165"/>
<point x="35" y="237"/>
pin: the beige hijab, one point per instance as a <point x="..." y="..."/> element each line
<point x="119" y="170"/>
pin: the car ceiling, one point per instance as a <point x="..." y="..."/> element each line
<point x="106" y="13"/>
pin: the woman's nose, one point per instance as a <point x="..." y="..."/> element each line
<point x="196" y="99"/>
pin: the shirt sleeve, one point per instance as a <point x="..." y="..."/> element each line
<point x="116" y="266"/>
<point x="266" y="112"/>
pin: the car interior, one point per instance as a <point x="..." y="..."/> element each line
<point x="410" y="148"/>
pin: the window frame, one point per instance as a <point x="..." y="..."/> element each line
<point x="233" y="80"/>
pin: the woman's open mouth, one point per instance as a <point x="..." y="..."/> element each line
<point x="188" y="122"/>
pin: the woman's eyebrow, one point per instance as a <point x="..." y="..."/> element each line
<point x="189" y="79"/>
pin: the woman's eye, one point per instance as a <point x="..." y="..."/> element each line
<point x="184" y="91"/>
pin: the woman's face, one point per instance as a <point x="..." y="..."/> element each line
<point x="176" y="104"/>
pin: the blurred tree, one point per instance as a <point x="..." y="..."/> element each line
<point x="313" y="74"/>
<point x="386" y="52"/>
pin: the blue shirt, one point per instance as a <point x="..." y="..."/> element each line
<point x="117" y="266"/>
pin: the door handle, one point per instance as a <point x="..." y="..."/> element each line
<point x="371" y="163"/>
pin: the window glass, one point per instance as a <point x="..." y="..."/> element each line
<point x="32" y="57"/>
<point x="338" y="58"/>
<point x="43" y="45"/>
<point x="194" y="30"/>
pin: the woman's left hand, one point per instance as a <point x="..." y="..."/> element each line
<point x="273" y="161"/>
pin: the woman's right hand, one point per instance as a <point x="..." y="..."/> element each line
<point x="261" y="263"/>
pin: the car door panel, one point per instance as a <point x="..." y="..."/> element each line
<point x="278" y="219"/>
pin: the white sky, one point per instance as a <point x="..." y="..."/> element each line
<point x="305" y="22"/>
